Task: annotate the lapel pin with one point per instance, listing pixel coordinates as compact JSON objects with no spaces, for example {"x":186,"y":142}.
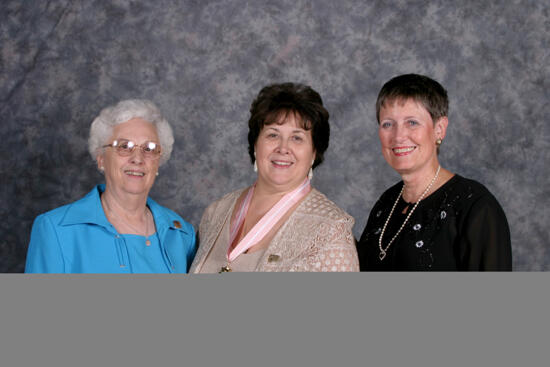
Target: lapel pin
{"x":273,"y":258}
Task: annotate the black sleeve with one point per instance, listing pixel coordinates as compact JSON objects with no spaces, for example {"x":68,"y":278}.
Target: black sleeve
{"x":365,"y":242}
{"x":484,"y":241}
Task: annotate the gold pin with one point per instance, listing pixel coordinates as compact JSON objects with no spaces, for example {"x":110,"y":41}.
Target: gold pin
{"x":273,"y":258}
{"x":177,"y":224}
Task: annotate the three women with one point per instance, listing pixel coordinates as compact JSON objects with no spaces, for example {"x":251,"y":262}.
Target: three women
{"x":431,"y":220}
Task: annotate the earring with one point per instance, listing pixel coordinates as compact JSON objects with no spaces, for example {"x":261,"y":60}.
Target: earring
{"x":310,"y":173}
{"x":438,"y":141}
{"x":157,"y":173}
{"x":101,"y":169}
{"x":255,"y":164}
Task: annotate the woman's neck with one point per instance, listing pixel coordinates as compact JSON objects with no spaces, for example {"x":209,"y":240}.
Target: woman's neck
{"x":417,"y":183}
{"x":265,"y":198}
{"x":269,"y":194}
{"x":128,"y":205}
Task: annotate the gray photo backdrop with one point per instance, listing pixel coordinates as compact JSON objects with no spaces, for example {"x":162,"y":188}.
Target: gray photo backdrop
{"x":203,"y":62}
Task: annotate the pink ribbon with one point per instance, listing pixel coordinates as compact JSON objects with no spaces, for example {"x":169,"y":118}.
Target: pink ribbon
{"x":267,"y":222}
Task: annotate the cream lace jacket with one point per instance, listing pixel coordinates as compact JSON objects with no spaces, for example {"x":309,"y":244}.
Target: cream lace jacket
{"x":316,"y":237}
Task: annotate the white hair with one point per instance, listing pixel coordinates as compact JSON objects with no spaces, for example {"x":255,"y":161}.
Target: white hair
{"x":102,"y":126}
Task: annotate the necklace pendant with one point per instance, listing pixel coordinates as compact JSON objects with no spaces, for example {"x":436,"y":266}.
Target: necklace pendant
{"x":225,"y":269}
{"x":147,"y":242}
{"x":382,"y":255}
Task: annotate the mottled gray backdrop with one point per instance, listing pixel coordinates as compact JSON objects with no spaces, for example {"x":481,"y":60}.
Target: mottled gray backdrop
{"x":203,"y":62}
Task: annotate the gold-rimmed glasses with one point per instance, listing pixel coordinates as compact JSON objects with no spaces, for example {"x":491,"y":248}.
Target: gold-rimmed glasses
{"x":125,"y":148}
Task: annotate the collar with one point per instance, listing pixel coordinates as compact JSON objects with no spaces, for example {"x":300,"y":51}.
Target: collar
{"x":88,"y":210}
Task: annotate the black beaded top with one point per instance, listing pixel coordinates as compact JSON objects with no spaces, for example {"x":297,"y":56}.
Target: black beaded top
{"x":460,"y":226}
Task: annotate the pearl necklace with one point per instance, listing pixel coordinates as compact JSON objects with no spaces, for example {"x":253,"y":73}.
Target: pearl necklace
{"x":383,"y":252}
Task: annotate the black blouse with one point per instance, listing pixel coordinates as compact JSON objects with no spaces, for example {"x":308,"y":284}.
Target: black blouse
{"x":461,"y":226}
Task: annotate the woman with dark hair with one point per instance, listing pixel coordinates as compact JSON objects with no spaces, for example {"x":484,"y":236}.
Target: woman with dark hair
{"x":117,"y":228}
{"x":280,"y":223}
{"x":433,"y":219}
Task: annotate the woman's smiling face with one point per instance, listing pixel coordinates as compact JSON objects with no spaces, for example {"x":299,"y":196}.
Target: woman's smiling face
{"x":284,"y":154}
{"x":408,"y":134}
{"x":134,"y":174}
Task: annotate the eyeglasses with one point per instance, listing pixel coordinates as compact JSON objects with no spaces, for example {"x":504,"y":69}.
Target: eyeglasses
{"x":125,"y":148}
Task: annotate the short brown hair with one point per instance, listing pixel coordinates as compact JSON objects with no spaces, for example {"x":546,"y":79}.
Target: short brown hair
{"x":419,"y":88}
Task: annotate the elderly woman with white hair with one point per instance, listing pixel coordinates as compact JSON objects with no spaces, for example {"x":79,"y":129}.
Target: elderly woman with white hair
{"x":117,"y":228}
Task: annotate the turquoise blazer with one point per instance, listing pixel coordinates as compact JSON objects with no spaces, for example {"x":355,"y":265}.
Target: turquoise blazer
{"x":78,"y":238}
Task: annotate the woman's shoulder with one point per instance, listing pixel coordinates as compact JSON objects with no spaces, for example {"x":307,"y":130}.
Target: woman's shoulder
{"x":468,"y":184}
{"x":54,"y":216}
{"x":317,"y":203}
{"x":390,"y":194}
{"x":227,"y":200}
{"x":468,"y":190}
{"x":466,"y":197}
{"x":169,"y":217}
{"x":73,"y":211}
{"x":223,"y":205}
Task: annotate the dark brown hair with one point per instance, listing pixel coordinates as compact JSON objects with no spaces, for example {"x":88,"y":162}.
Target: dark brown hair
{"x":419,"y":88}
{"x":276,"y":101}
